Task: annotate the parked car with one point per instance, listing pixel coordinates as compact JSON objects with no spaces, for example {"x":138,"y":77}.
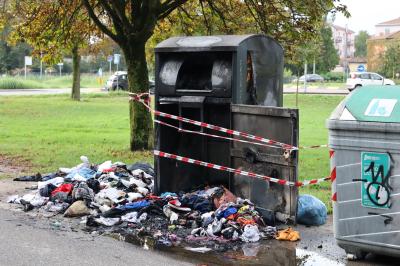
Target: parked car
{"x":311,"y":78}
{"x":122,"y":84}
{"x":117,"y":81}
{"x":358,"y":79}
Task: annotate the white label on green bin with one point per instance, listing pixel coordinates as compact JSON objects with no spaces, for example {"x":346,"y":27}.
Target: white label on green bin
{"x":375,"y":189}
{"x":380,"y":107}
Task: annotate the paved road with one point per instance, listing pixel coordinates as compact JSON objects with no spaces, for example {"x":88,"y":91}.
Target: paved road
{"x":318,"y":91}
{"x":44,"y":91}
{"x":91,"y":90}
{"x":28,"y":242}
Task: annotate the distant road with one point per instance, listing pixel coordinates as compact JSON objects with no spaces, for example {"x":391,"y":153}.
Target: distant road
{"x":331,"y":91}
{"x":97,"y":90}
{"x":44,"y":91}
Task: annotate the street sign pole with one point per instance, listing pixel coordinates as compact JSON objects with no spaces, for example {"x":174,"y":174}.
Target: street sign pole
{"x":41,"y":64}
{"x":60,"y":65}
{"x":116,"y":62}
{"x":305,"y":77}
{"x":110,"y":59}
{"x":28,"y":62}
{"x":117,"y":78}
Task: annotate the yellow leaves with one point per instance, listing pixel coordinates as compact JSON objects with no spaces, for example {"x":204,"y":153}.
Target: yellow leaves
{"x":52,"y":25}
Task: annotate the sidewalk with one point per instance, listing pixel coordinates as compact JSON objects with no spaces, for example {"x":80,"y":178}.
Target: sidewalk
{"x":46,"y":91}
{"x":329,"y":91}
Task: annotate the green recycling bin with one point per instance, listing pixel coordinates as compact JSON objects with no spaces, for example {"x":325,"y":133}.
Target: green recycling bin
{"x":364,"y":135}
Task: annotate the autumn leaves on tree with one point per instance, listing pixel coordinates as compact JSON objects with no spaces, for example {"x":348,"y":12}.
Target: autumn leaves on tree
{"x":55,"y":26}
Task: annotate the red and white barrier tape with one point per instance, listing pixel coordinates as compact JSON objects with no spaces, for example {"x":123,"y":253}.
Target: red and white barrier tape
{"x":262,"y":141}
{"x":209,"y":126}
{"x":211,"y":135}
{"x":238,"y":171}
{"x":333,"y":174}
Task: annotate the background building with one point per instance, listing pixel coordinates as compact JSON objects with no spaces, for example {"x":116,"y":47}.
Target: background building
{"x":387,"y":33}
{"x":387,"y":28}
{"x":343,"y":39}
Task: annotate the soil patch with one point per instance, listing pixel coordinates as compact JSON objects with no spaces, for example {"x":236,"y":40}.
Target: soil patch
{"x":12,"y":166}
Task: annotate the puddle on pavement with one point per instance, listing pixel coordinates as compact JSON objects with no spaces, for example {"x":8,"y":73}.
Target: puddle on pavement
{"x":266,"y":252}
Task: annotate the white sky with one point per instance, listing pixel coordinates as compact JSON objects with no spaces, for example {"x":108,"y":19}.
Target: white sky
{"x":365,"y":14}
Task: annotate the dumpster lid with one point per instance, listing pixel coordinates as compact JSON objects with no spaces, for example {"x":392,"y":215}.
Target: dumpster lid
{"x":193,"y":43}
{"x":373,"y":104}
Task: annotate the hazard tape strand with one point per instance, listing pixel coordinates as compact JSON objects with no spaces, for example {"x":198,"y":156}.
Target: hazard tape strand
{"x":144,"y":99}
{"x":210,"y":135}
{"x":238,"y":171}
{"x":138,"y":97}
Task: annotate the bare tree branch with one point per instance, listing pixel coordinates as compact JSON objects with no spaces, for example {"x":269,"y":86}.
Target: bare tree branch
{"x":98,"y":23}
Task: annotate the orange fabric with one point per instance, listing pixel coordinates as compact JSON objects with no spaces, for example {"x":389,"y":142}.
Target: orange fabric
{"x":244,"y":221}
{"x":288,"y":234}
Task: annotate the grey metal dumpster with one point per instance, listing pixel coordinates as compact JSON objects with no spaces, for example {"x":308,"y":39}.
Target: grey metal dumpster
{"x":235,"y":82}
{"x":364,"y":133}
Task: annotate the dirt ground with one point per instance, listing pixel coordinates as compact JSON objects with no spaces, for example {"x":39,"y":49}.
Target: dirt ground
{"x":13,"y":166}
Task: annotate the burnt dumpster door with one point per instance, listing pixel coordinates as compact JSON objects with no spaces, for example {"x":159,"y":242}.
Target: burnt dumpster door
{"x":280,"y":124}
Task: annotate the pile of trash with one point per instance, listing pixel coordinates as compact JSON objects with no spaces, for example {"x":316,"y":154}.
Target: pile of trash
{"x":120,"y":197}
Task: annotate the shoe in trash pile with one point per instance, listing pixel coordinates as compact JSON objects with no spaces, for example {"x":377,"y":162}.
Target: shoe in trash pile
{"x":116,"y":196}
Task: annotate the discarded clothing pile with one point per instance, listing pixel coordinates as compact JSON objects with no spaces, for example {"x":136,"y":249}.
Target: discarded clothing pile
{"x":87,"y":188}
{"x":120,"y":196}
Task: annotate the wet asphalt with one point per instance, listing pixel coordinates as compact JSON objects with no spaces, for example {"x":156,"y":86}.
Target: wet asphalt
{"x":35,"y":238}
{"x":26,"y":241}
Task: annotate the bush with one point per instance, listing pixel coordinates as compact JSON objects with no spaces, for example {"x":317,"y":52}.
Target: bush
{"x":49,"y":82}
{"x":287,"y":75}
{"x":12,"y":84}
{"x":333,"y":77}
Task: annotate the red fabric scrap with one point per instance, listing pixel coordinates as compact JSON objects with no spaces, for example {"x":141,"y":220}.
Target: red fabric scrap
{"x":67,"y":188}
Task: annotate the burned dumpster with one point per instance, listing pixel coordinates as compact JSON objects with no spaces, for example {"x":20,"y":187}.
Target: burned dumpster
{"x":232,"y":82}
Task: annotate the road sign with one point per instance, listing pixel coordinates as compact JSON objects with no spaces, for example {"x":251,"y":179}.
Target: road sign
{"x":110,"y":58}
{"x":117,"y":59}
{"x":28,"y":60}
{"x":361,"y":68}
{"x":375,"y":188}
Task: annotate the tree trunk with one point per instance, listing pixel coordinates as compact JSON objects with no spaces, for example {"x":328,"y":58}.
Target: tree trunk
{"x":141,"y":123}
{"x":76,"y":76}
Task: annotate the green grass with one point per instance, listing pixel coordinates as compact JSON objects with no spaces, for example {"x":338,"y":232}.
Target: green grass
{"x":53,"y":82}
{"x":314,"y":163}
{"x":53,"y":131}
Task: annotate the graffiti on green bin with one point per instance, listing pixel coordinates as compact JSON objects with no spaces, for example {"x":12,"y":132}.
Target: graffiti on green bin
{"x":375,"y":187}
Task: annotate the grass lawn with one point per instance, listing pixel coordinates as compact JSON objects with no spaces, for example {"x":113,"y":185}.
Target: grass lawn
{"x":53,"y":131}
{"x":314,"y":163}
{"x":49,"y":82}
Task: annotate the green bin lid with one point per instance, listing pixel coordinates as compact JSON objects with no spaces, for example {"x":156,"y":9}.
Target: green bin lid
{"x":375,"y":104}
